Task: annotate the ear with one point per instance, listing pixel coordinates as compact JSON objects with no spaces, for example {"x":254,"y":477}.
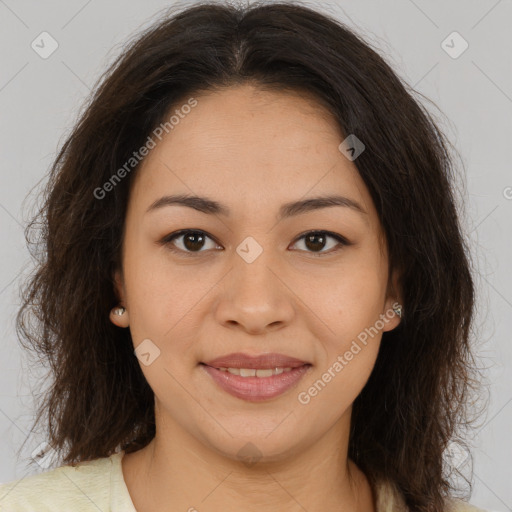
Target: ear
{"x":119,"y":286}
{"x":119,"y":289}
{"x":393,"y":299}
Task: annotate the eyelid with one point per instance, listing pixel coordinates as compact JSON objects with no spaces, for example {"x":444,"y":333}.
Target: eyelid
{"x":342,"y":241}
{"x":168,"y":239}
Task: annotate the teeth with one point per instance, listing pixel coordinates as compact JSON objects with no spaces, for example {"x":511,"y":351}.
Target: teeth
{"x":263,"y":373}
{"x":252,"y":372}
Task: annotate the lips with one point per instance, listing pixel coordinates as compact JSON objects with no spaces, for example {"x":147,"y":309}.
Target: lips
{"x":256,"y":378}
{"x":263,"y":361}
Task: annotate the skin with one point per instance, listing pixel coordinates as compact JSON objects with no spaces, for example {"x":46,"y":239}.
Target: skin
{"x":251,"y":150}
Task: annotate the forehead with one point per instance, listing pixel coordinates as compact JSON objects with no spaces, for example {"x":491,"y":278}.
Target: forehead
{"x":246,"y":145}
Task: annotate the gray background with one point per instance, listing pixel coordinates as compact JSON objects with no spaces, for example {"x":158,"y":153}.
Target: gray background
{"x":40,"y":100}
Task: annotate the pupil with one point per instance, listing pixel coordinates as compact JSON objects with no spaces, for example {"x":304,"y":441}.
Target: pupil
{"x":190,"y":237}
{"x":310,"y":241}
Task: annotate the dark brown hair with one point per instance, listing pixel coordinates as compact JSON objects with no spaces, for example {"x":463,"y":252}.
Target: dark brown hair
{"x":416,"y":400}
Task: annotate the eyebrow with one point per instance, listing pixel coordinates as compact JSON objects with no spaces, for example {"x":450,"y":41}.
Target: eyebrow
{"x":209,"y":206}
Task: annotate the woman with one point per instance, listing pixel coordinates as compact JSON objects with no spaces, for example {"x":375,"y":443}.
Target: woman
{"x":256,"y":292}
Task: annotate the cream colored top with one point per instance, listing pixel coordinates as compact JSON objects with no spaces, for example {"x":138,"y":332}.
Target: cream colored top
{"x":99,"y":486}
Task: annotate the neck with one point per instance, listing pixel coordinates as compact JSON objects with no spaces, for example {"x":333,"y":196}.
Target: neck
{"x":177,"y":469}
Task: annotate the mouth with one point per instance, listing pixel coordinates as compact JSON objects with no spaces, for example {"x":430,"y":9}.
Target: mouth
{"x":256,"y":372}
{"x":256,"y":379}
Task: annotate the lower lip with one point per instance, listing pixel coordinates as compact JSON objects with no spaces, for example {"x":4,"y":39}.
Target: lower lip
{"x":256,"y":389}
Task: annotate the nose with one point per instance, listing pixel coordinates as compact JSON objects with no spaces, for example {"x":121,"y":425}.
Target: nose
{"x":254,"y":296}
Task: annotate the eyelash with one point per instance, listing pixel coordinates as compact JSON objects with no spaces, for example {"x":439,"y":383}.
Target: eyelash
{"x":167,"y":241}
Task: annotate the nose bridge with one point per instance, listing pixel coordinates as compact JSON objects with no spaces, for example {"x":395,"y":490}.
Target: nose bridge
{"x":254,"y":296}
{"x":252,"y":270}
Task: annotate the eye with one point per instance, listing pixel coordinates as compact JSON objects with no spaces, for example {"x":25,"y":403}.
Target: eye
{"x":317,"y":240}
{"x":189,"y":241}
{"x":192,"y":241}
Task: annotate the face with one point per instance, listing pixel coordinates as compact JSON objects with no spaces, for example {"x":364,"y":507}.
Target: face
{"x":250,"y":274}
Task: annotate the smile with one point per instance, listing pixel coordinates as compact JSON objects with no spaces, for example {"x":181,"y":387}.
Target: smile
{"x":256,"y":384}
{"x":258,"y":372}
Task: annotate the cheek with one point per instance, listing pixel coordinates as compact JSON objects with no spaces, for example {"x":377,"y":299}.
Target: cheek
{"x":353,"y":300}
{"x":351,"y":308}
{"x":159,"y":296}
{"x":347,"y":362}
{"x":330,"y":395}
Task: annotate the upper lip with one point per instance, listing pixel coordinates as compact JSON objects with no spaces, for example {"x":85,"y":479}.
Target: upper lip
{"x":263,"y":361}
